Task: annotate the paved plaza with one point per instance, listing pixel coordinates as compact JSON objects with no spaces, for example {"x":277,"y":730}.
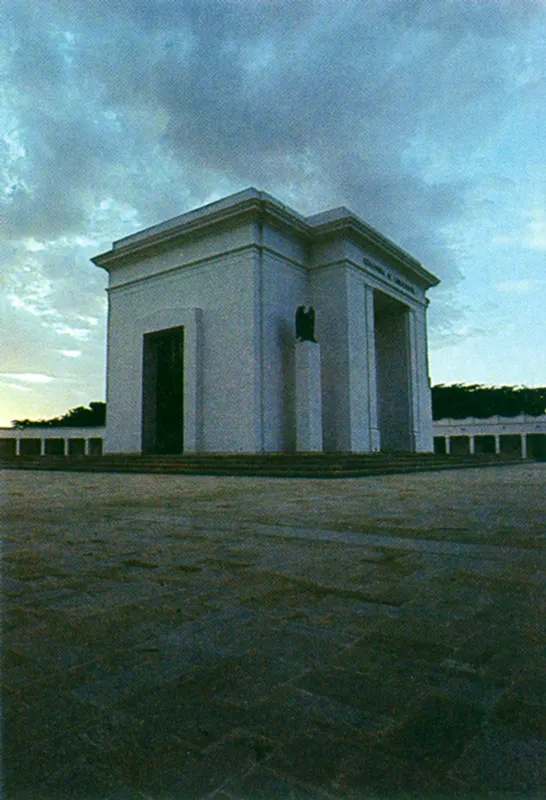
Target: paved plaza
{"x":241,"y":638}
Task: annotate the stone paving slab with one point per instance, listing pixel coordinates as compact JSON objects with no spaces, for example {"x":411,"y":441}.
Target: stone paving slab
{"x":187,"y":637}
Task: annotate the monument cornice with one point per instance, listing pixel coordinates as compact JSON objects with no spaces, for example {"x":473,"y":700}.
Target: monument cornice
{"x":253,"y":206}
{"x":348,"y":224}
{"x":256,"y":207}
{"x":163,"y":239}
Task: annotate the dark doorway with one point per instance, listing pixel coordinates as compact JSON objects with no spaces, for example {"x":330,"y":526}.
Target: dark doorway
{"x":95,"y":446}
{"x":510,"y":444}
{"x":163,"y":392}
{"x":536,"y":445}
{"x":8,"y":447}
{"x":484,"y":444}
{"x":459,"y":445}
{"x":440,"y":445}
{"x":76,"y":447}
{"x":54,"y":447}
{"x":30,"y":447}
{"x":392,"y":349}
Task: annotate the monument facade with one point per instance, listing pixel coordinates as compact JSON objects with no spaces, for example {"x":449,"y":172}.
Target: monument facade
{"x":204,"y":354}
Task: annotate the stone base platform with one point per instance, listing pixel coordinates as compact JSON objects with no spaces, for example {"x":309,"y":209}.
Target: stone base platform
{"x":280,"y":465}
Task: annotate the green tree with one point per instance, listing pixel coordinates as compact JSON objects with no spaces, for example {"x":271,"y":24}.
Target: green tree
{"x":459,"y":401}
{"x":80,"y":417}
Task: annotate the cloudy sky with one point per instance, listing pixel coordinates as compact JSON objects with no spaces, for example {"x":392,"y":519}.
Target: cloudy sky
{"x":425,"y":117}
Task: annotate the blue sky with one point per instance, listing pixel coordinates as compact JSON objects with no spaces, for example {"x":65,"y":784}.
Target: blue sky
{"x":425,"y":118}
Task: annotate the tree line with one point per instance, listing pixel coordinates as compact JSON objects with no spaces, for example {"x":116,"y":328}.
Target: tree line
{"x":456,"y":400}
{"x":459,"y":401}
{"x":80,"y":417}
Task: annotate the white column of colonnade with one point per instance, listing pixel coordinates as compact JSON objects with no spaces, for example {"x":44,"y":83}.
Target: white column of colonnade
{"x":472,"y":444}
{"x":373,"y":416}
{"x":414,"y":376}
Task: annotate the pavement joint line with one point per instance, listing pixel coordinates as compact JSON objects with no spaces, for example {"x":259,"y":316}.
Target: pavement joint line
{"x":322,"y":588}
{"x":403,"y":543}
{"x":468,"y":549}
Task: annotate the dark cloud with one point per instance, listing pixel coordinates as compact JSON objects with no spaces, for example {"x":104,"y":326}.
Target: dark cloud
{"x":248,"y":92}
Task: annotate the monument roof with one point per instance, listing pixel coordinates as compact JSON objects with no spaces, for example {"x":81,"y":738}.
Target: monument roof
{"x":325,"y":223}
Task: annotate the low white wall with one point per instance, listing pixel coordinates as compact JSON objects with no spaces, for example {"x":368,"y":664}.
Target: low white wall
{"x":523,"y":434}
{"x":47,"y":433}
{"x":473,"y":426}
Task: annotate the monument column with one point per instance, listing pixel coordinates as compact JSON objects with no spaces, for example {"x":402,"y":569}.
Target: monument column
{"x":373,"y":417}
{"x":308,"y":397}
{"x":308,"y":384}
{"x":421,"y":400}
{"x":415,"y":377}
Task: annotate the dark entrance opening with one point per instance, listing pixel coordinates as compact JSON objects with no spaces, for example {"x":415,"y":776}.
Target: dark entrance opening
{"x":54,"y":447}
{"x":536,"y":445}
{"x":95,"y":446}
{"x":484,"y":444}
{"x":460,"y":445}
{"x":510,"y":444}
{"x":392,"y":348}
{"x":76,"y":447}
{"x":8,"y":447}
{"x":163,"y":392}
{"x":30,"y":447}
{"x":440,"y":445}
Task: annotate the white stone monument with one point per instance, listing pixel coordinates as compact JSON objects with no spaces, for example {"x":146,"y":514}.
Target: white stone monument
{"x":202,"y":349}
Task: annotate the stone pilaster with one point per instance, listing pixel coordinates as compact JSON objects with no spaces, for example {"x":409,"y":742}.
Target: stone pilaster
{"x":308,"y":398}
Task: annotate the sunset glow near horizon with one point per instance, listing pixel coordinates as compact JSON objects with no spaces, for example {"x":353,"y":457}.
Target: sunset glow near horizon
{"x":426,"y":119}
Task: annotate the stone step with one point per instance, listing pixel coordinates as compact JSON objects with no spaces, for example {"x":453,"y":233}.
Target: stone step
{"x":256,"y":460}
{"x":323,"y":465}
